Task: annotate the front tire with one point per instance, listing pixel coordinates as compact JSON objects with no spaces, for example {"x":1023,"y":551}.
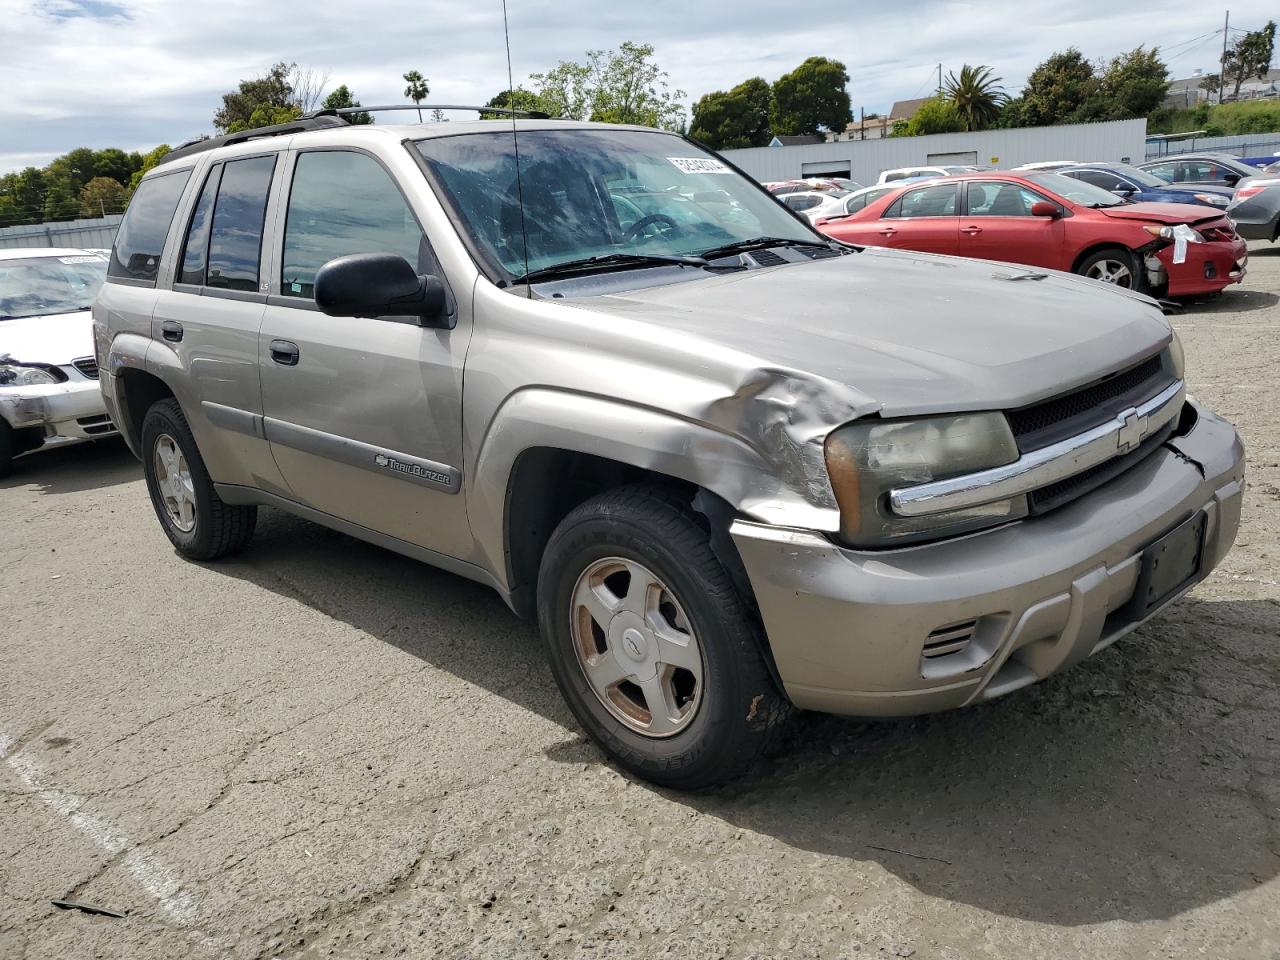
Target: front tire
{"x":1114,"y":265}
{"x":651,"y":645}
{"x":196,"y":520}
{"x":6,"y":448}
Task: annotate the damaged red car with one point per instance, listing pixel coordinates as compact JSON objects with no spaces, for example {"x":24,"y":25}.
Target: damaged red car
{"x":1047,"y":220}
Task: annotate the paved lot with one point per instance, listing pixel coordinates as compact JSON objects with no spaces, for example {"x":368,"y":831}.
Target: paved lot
{"x":322,"y":749}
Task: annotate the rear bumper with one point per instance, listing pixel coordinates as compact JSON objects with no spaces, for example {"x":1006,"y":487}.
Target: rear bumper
{"x":848,"y":629}
{"x":65,"y":412}
{"x":1208,"y":267}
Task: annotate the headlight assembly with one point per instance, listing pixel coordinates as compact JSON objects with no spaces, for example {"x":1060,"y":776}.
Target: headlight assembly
{"x":13,"y":374}
{"x":1177,"y":359}
{"x":1213,"y":199}
{"x":868,"y":459}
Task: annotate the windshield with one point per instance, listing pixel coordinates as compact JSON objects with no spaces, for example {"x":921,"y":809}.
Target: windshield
{"x":594,"y":193}
{"x":40,"y":286}
{"x":1077,"y":191}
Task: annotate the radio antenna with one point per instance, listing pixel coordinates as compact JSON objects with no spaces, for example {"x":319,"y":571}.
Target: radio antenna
{"x":515,"y":144}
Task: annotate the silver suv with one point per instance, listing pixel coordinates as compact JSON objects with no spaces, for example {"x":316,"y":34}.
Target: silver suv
{"x":730,"y":466}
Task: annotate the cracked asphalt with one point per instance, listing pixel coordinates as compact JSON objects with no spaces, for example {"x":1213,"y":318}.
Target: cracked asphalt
{"x":320,"y":749}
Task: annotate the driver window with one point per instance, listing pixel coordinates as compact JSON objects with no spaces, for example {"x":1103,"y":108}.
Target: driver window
{"x":342,"y":203}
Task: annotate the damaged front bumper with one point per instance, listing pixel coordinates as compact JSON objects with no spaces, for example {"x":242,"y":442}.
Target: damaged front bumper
{"x":948,"y":624}
{"x":67,"y":412}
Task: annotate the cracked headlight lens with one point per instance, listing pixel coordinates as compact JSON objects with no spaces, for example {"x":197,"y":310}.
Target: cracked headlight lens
{"x":868,"y":459}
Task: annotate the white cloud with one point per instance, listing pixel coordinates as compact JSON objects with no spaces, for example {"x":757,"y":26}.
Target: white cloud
{"x":133,"y":73}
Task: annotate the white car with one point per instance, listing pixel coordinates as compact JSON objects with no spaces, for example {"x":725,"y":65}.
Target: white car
{"x":48,"y":375}
{"x":908,"y":173}
{"x":1046,"y":166}
{"x":815,"y":204}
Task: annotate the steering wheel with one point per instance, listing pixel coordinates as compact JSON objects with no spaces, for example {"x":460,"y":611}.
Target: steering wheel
{"x":635,"y":229}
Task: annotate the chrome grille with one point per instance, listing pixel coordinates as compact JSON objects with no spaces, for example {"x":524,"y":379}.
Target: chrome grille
{"x":1042,"y":424}
{"x":88,"y":366}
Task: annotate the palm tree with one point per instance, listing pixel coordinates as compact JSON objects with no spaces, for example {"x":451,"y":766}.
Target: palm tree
{"x":417,"y":89}
{"x":977,"y":96}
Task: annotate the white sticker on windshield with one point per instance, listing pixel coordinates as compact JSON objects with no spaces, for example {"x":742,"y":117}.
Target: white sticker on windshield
{"x":699,"y":165}
{"x":79,"y":259}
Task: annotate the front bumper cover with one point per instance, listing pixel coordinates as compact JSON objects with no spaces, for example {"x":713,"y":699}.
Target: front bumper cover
{"x":65,"y":412}
{"x":848,"y":628}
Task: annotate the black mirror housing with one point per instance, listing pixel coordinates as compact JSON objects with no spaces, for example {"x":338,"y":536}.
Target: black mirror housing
{"x":380,"y":285}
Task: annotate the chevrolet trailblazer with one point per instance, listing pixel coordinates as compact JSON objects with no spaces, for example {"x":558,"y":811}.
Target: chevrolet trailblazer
{"x":730,"y":466}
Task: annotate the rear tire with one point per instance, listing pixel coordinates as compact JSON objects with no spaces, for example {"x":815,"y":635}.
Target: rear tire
{"x":196,"y":520}
{"x":1114,"y":265}
{"x":679,"y":692}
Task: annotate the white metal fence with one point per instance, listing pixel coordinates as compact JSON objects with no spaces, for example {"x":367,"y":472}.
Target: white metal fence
{"x":1246,"y":145}
{"x":97,"y":233}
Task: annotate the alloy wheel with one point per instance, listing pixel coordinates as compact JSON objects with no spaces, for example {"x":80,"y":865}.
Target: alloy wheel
{"x":173,"y":479}
{"x":1111,"y":271}
{"x":636,"y":647}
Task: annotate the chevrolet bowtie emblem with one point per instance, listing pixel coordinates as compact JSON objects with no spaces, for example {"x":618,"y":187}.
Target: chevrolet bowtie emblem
{"x":1132,"y":429}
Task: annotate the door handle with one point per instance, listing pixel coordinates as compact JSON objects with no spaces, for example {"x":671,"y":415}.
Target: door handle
{"x":171,"y":330}
{"x":284,"y":353}
{"x":971,"y":231}
{"x":888,"y":232}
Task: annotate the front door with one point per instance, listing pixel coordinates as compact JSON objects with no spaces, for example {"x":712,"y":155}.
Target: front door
{"x":998,"y":225}
{"x":921,"y":219}
{"x":364,"y":416}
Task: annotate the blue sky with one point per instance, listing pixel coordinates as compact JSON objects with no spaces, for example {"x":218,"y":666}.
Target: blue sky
{"x":134,"y":73}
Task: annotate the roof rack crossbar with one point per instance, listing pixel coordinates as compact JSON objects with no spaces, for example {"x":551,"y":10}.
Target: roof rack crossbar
{"x":505,"y":111}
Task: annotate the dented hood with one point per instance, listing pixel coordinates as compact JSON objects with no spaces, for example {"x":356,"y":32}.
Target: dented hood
{"x":912,"y":332}
{"x":53,"y":339}
{"x":1162,"y":212}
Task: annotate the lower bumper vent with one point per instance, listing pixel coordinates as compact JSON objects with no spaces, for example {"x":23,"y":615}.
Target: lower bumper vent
{"x":948,"y":640}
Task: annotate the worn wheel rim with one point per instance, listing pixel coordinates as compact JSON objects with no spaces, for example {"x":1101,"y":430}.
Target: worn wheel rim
{"x":636,"y":647}
{"x":1111,"y":271}
{"x":173,"y":479}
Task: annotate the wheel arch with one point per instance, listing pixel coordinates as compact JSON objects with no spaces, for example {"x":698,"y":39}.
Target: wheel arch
{"x":1090,"y":250}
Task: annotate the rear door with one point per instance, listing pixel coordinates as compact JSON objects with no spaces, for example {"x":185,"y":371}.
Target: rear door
{"x":210,"y":318}
{"x":998,"y":225}
{"x":921,"y":219}
{"x":364,"y":416}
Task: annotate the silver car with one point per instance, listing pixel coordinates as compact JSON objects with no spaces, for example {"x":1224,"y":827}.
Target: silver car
{"x":730,"y":466}
{"x":49,"y":392}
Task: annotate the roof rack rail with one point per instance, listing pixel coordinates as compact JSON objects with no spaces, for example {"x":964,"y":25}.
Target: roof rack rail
{"x":301,"y":124}
{"x":506,"y":111}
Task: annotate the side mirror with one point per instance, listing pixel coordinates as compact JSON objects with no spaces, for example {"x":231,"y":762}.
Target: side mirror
{"x":1043,"y":208}
{"x":1231,"y":179}
{"x":380,"y":285}
{"x":1124,"y":192}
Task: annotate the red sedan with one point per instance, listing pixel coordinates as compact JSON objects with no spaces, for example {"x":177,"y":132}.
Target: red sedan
{"x":1046,"y":220}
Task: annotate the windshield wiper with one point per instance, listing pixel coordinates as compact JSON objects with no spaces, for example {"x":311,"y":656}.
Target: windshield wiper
{"x":607,"y":262}
{"x":756,"y":243}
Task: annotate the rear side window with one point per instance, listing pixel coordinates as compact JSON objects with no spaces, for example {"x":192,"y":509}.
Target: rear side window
{"x":937,"y":201}
{"x":195,"y":252}
{"x":140,"y":240}
{"x":235,"y":238}
{"x":342,"y":203}
{"x":1165,"y":171}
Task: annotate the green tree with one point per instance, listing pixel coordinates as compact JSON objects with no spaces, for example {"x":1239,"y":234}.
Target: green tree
{"x":517,"y":99}
{"x":266,"y":115}
{"x":737,"y":118}
{"x":936,"y":115}
{"x":811,"y":98}
{"x":22,"y":196}
{"x":416,"y":89}
{"x":1250,"y":56}
{"x":342,"y":99}
{"x":101,"y":196}
{"x":614,"y":86}
{"x":1056,"y":90}
{"x":976,"y":95}
{"x":1133,"y":85}
{"x":149,"y":160}
{"x":272,"y":90}
{"x":60,"y":203}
